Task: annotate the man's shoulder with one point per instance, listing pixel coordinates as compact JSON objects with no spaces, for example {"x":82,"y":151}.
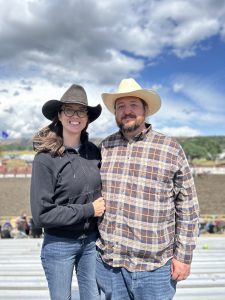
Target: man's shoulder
{"x":160,"y":138}
{"x":111,"y":139}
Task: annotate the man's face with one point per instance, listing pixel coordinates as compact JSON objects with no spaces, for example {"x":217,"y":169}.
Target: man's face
{"x":130,"y":114}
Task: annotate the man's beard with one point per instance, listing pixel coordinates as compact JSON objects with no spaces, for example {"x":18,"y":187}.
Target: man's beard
{"x":127,"y":128}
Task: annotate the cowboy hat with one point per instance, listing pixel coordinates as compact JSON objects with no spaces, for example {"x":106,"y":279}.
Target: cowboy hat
{"x":75,"y":94}
{"x":129,"y":87}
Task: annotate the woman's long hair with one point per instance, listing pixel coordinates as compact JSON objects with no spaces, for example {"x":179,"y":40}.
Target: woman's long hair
{"x":50,"y":138}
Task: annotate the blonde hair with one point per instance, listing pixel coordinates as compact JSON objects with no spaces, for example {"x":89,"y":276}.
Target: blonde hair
{"x":50,"y":139}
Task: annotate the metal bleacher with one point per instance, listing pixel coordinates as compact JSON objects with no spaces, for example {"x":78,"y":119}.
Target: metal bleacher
{"x":22,"y":277}
{"x":21,"y":273}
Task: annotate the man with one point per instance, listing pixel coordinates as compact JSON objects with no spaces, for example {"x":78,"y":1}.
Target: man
{"x":150,"y":226}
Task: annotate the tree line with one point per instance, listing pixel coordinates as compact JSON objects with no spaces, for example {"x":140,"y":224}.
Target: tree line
{"x":202,"y":147}
{"x":207,"y":148}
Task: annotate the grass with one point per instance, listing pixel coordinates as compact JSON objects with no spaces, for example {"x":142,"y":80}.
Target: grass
{"x":13,"y":163}
{"x":207,"y":163}
{"x":17,"y":152}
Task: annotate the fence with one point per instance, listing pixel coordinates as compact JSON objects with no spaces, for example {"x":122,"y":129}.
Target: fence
{"x":15,"y":171}
{"x":207,"y":170}
{"x":26,"y":171}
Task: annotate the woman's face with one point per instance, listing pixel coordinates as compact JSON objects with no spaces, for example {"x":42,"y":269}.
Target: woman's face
{"x":74,"y":118}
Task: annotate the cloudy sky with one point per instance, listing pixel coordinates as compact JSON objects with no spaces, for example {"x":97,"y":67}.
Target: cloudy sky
{"x":175,"y":47}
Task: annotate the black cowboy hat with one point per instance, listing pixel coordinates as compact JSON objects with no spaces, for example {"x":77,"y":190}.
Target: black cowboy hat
{"x":75,"y":94}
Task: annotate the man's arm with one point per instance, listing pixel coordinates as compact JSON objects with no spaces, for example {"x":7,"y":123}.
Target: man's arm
{"x":187,"y":219}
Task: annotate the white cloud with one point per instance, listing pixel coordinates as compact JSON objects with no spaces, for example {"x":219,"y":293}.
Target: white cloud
{"x":67,"y":46}
{"x":183,"y":131}
{"x":47,"y":45}
{"x":90,"y":40}
{"x":21,"y":115}
{"x":177,"y":87}
{"x":189,"y":101}
{"x":203,"y":92}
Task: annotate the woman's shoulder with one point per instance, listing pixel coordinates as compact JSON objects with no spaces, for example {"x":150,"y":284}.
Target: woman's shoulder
{"x":44,"y":157}
{"x":93,"y":149}
{"x":92,"y":145}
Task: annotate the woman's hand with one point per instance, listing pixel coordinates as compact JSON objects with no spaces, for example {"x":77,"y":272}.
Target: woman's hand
{"x":99,"y":207}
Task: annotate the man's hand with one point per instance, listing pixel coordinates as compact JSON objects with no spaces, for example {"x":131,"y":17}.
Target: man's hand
{"x":179,"y":270}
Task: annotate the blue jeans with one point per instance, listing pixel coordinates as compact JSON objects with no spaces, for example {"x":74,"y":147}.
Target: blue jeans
{"x":120,"y":284}
{"x":59,"y":257}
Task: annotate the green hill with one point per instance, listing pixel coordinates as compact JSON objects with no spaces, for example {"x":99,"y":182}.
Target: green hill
{"x":202,"y":147}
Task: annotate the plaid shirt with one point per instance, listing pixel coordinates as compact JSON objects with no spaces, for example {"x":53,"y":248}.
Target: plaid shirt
{"x":152,"y":209}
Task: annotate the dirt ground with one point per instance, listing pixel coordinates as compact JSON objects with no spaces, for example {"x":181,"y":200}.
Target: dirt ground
{"x":14,"y":195}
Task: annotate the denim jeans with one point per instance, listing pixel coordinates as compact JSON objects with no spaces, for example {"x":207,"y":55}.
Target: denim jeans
{"x":59,"y":257}
{"x":120,"y":284}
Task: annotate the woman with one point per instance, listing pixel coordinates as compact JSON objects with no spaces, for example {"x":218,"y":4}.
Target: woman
{"x":66,"y":194}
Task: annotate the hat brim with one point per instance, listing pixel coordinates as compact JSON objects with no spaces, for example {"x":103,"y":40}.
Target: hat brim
{"x":150,"y":97}
{"x":51,"y":108}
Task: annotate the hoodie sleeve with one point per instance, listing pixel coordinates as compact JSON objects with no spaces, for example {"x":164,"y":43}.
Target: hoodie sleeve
{"x":46,"y":213}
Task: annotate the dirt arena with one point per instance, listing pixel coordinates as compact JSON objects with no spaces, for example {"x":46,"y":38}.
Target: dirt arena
{"x":14,"y":195}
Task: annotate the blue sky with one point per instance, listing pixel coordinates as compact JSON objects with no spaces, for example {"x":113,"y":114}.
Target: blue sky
{"x":175,"y":47}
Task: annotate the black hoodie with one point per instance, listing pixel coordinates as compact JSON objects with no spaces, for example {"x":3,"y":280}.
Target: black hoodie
{"x":63,"y":189}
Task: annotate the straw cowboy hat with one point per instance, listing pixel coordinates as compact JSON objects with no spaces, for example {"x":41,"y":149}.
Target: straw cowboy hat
{"x":75,"y":94}
{"x":129,"y":87}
